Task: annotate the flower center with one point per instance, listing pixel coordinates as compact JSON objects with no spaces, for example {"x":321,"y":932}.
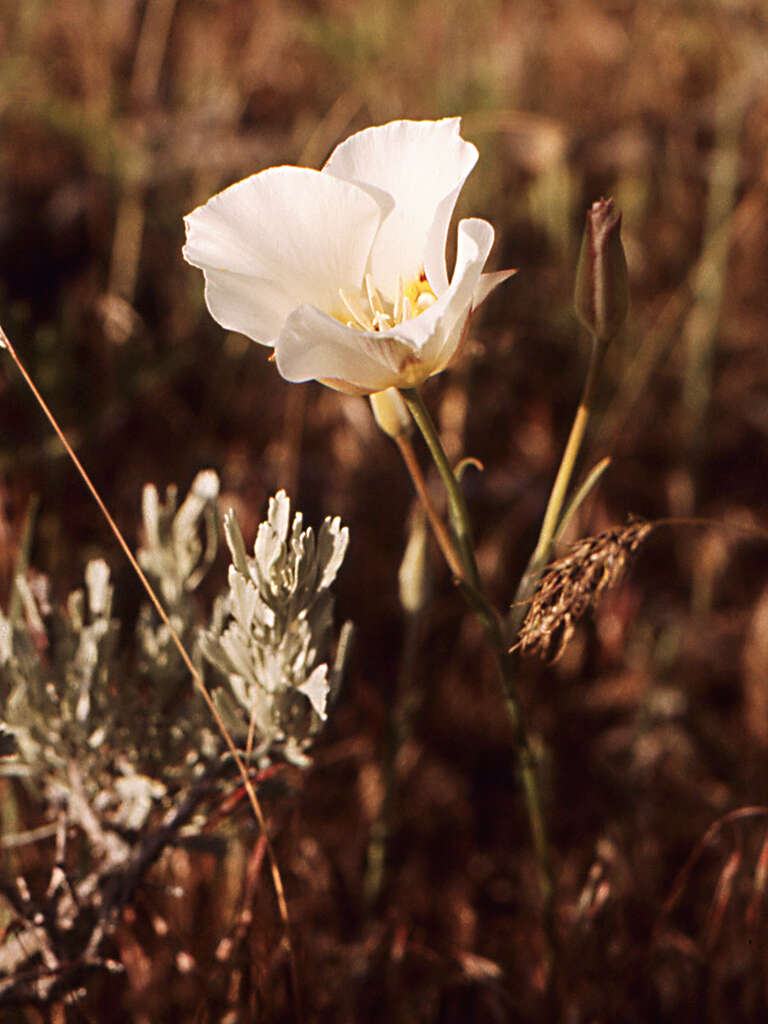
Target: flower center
{"x":370,"y":312}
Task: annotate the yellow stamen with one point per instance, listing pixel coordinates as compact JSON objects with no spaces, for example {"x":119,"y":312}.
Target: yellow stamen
{"x":358,"y":316}
{"x":397,"y":312}
{"x":374,"y":299}
{"x":410,"y":300}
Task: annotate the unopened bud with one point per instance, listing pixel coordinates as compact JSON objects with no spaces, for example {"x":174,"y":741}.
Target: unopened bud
{"x":413,"y":574}
{"x":601,"y":294}
{"x":391,"y":412}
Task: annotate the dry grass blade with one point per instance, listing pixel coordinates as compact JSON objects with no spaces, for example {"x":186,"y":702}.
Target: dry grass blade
{"x":761,"y":877}
{"x":708,"y":840}
{"x":574,"y":584}
{"x":721,"y":899}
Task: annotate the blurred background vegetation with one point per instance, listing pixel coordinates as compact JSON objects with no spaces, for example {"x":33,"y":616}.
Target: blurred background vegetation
{"x":117,"y":117}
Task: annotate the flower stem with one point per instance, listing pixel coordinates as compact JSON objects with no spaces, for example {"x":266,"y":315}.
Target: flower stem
{"x":438,"y":527}
{"x":552,"y":516}
{"x":456,"y":504}
{"x":488,"y":618}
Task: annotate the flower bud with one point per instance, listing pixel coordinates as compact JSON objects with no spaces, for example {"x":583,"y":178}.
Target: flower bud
{"x":601,"y":294}
{"x":391,"y":413}
{"x":413,"y":574}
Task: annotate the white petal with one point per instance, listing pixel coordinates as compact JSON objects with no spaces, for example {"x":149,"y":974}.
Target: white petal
{"x":487,"y":283}
{"x":315,"y":346}
{"x":250,"y":305}
{"x":279,"y":238}
{"x":422,"y":165}
{"x":437,"y":332}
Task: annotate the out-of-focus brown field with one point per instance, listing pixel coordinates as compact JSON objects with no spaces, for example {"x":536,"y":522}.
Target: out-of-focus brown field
{"x":116,"y":119}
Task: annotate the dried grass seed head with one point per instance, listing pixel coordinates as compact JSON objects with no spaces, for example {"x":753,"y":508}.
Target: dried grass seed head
{"x":574,"y":584}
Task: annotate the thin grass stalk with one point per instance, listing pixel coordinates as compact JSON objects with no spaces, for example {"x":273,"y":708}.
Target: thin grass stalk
{"x":130,"y":218}
{"x":701,"y":325}
{"x":22,"y":558}
{"x":651,"y":348}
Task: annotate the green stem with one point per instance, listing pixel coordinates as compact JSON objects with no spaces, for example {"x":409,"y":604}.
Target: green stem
{"x":552,"y":516}
{"x":488,"y":618}
{"x":456,"y":504}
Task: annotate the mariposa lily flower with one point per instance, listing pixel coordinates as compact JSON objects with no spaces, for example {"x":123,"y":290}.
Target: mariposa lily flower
{"x":343,"y":270}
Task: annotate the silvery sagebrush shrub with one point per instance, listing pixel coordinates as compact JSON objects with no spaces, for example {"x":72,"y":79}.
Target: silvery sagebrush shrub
{"x":175,"y":560}
{"x":269,"y":631}
{"x":179,"y":545}
{"x":117,"y":747}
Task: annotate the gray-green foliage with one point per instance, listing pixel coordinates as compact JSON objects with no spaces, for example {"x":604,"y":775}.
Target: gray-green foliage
{"x":271,"y":631}
{"x":179,"y":545}
{"x":175,"y":560}
{"x":116,"y":743}
{"x":99,"y":732}
{"x":69,"y":698}
{"x":72,"y":736}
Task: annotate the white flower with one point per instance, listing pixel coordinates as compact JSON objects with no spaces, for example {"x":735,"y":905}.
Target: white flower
{"x":343,"y":270}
